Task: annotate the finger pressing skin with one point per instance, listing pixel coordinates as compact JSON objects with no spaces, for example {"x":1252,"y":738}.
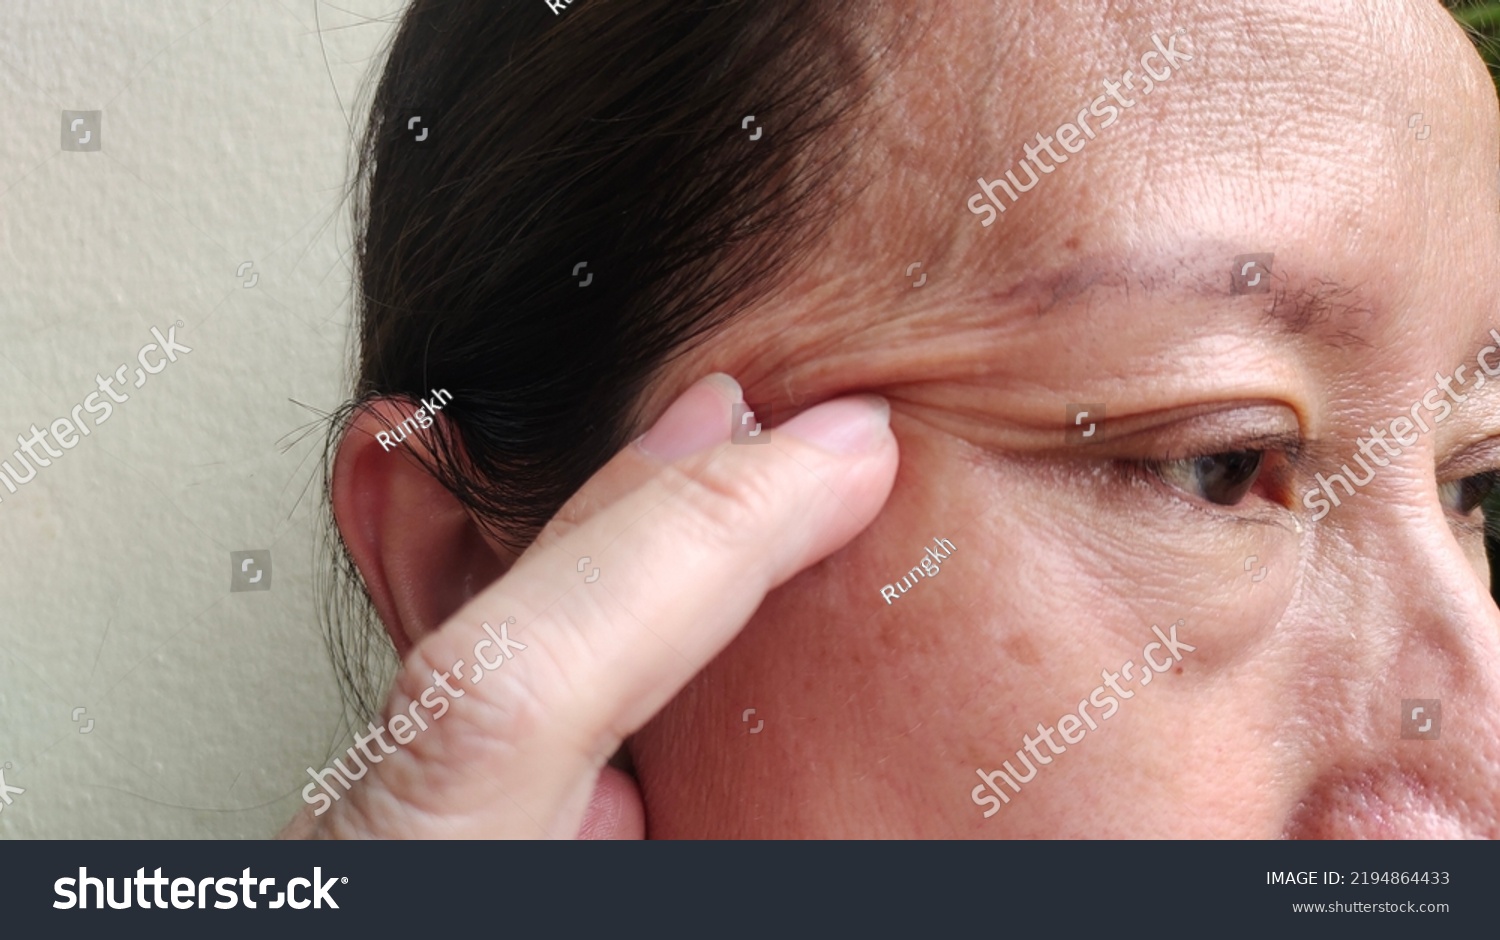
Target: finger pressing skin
{"x":696,"y":421}
{"x":683,"y":558}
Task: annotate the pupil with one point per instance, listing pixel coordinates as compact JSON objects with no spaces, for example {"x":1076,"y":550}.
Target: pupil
{"x":1225,"y":478}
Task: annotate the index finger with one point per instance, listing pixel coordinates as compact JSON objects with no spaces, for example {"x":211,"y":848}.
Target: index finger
{"x":683,"y":559}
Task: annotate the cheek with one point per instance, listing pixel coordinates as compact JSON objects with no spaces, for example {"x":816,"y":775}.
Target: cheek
{"x":882,"y":691}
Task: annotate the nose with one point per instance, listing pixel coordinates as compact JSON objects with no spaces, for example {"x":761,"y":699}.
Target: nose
{"x":1404,"y":661}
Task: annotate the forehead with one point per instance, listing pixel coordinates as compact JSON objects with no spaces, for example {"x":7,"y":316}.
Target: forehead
{"x":1283,"y":117}
{"x":1282,"y":128}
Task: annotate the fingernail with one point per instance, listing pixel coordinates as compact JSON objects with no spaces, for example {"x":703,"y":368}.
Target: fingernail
{"x":851,"y":425}
{"x":697,"y":420}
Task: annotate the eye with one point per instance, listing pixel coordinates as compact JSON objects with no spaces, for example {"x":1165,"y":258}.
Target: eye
{"x":1222,"y":479}
{"x":1466,"y":495}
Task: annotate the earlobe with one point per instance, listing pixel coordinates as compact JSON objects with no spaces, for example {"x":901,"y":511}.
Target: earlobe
{"x":418,"y":550}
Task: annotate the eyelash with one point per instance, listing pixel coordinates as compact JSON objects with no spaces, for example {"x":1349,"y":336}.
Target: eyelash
{"x":1272,"y":454}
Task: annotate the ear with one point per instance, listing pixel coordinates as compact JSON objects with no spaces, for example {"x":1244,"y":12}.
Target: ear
{"x":420,"y":553}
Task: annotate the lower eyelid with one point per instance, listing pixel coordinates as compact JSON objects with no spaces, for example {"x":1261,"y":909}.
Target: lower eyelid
{"x":1468,"y":525}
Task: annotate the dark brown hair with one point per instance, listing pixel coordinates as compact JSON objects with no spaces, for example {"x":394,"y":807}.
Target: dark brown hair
{"x":611,"y":134}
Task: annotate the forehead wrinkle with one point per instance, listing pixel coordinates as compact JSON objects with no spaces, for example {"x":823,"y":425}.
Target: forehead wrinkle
{"x":957,"y":113}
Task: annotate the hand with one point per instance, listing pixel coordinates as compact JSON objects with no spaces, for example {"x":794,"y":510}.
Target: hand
{"x":690,"y":533}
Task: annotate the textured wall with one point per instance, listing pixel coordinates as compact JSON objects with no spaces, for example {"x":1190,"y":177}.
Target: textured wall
{"x":224,"y":139}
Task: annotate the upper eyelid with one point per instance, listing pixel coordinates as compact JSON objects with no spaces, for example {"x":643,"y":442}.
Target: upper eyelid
{"x":1473,"y":459}
{"x":1205,"y":430}
{"x":1290,"y":444}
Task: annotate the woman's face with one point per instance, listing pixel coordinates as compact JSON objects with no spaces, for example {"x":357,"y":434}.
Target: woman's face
{"x":1300,"y":634}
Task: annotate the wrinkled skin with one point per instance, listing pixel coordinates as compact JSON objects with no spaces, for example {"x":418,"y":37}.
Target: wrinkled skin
{"x":1110,"y":282}
{"x":1302,"y":631}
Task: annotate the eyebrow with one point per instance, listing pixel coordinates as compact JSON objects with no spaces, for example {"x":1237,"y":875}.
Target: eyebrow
{"x":1299,"y":304}
{"x":1335,"y":312}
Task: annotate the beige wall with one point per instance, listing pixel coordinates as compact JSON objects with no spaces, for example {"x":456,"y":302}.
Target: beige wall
{"x":225,"y":139}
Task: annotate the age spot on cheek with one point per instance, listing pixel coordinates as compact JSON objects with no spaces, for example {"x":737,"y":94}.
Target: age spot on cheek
{"x":1021,"y":649}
